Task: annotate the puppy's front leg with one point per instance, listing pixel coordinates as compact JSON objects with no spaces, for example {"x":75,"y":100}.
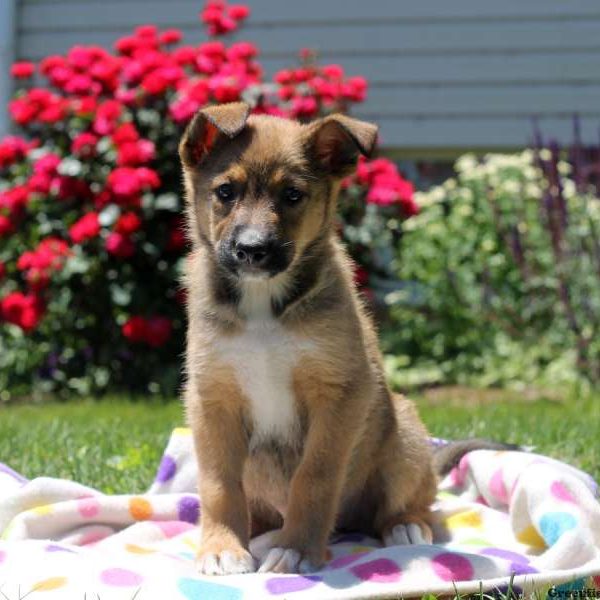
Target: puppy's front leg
{"x":221,"y":450}
{"x":315,"y":490}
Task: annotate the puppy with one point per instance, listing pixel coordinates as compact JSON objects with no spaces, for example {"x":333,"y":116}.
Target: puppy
{"x":294,"y":426}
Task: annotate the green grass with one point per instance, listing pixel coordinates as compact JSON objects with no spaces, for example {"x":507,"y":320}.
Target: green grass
{"x":115,"y":445}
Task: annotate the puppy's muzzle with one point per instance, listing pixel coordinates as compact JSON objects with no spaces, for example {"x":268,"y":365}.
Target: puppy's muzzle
{"x":252,"y":248}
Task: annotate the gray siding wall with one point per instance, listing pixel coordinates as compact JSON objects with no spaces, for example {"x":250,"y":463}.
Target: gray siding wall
{"x":444,"y":74}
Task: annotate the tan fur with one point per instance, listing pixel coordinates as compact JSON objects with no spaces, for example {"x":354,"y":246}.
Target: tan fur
{"x":357,"y":456}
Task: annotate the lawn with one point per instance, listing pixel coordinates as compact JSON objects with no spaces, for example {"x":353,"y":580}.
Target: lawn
{"x":115,"y":445}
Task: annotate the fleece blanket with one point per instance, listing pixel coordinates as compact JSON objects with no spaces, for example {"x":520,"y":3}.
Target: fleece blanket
{"x":500,"y":516}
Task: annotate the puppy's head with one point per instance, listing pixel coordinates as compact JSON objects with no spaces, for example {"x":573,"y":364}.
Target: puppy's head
{"x":262,"y":189}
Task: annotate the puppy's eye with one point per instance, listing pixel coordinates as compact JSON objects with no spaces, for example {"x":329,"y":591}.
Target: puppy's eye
{"x":225,"y":192}
{"x":293,"y":195}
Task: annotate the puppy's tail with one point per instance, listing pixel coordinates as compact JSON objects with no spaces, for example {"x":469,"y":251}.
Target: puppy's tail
{"x":446,"y":456}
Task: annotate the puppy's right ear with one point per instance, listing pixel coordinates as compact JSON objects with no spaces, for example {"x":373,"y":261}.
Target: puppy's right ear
{"x":206,"y":126}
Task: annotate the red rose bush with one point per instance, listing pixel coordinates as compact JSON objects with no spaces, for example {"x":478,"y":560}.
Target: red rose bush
{"x":91,"y":238}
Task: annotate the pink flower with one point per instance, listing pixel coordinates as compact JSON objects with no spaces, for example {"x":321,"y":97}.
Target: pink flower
{"x":120,"y":245}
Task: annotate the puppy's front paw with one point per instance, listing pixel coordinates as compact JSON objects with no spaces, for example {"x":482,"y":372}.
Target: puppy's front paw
{"x":408,"y":534}
{"x":275,"y":556}
{"x":286,"y":560}
{"x":234,"y":561}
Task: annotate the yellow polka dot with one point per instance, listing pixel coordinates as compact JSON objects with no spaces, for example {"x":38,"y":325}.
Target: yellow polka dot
{"x":444,"y":495}
{"x":476,"y":542}
{"x":182,"y":431}
{"x":140,"y":509}
{"x":138,"y":549}
{"x":46,"y":509}
{"x":359,"y":549}
{"x":47,"y":585}
{"x":467,"y":518}
{"x":190,"y":543}
{"x":531,"y":537}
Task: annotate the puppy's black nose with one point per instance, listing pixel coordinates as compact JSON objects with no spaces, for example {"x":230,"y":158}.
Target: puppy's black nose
{"x":252,"y":247}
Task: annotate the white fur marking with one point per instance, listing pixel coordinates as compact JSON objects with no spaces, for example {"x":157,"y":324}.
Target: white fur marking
{"x":263,"y":357}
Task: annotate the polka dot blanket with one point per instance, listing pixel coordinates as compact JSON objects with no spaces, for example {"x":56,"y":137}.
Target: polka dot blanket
{"x":499,"y":516}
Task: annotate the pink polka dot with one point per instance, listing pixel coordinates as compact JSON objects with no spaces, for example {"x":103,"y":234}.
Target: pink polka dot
{"x":458,"y":475}
{"x":452,"y":567}
{"x":92,"y":537}
{"x":88,"y":508}
{"x":558,"y":490}
{"x":120,"y":578}
{"x":172,"y":528}
{"x":381,"y":570}
{"x":2,"y":556}
{"x":497,"y":486}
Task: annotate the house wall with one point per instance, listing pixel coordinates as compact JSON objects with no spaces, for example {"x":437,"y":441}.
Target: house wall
{"x":445,"y":75}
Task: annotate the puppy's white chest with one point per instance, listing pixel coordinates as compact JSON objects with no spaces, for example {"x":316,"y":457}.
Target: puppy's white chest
{"x":263,"y":358}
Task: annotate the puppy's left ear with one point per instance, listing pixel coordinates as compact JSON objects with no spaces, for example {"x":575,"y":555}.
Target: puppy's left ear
{"x":336,"y":141}
{"x":207,"y":126}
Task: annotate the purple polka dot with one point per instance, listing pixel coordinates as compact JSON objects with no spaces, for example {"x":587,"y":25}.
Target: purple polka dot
{"x":56,"y":548}
{"x":120,"y":578}
{"x":506,"y":554}
{"x":381,"y":570}
{"x":296,"y":583}
{"x":522,"y":568}
{"x":344,"y":561}
{"x":189,"y":509}
{"x":5,"y":469}
{"x":452,"y":567}
{"x":167,"y":469}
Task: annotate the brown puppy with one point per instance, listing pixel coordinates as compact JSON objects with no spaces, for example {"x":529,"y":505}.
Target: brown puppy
{"x":293,"y":423}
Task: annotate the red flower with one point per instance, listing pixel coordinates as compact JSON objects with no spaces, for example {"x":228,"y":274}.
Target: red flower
{"x":22,"y":70}
{"x":361,"y":275}
{"x":170,"y":36}
{"x":125,"y":133}
{"x":120,"y":245}
{"x":86,"y":228}
{"x":154,"y":331}
{"x":14,"y":149}
{"x":128,"y":223}
{"x":6,"y":226}
{"x":177,"y":239}
{"x":84,"y":145}
{"x":23,"y":310}
{"x":124,"y":181}
{"x":2,"y":270}
{"x":158,"y":331}
{"x":134,"y":329}
{"x":135,"y":153}
{"x":239,"y":12}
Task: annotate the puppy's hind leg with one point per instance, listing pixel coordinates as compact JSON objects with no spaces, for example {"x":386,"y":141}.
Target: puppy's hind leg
{"x":407,"y":488}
